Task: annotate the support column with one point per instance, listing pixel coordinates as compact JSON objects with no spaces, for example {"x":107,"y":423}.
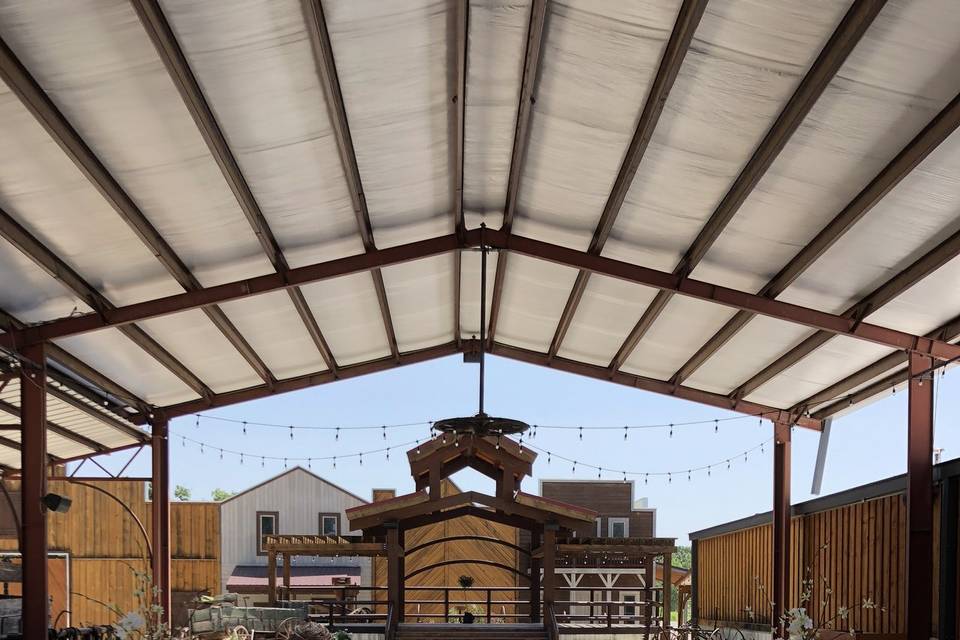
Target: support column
{"x":160,"y":504}
{"x":534,"y":578}
{"x":920,"y":498}
{"x":286,"y":577}
{"x":667,"y":587}
{"x":649,"y":578}
{"x":272,"y":577}
{"x":402,"y":542}
{"x":781,"y":521}
{"x":393,"y":571}
{"x":33,"y":486}
{"x":549,"y":565}
{"x":949,"y":524}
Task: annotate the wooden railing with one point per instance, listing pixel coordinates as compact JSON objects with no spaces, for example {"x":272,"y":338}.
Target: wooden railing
{"x":550,"y":621}
{"x":603,"y":610}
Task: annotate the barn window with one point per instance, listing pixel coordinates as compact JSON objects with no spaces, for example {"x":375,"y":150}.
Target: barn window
{"x":329,"y":524}
{"x":618,"y":527}
{"x":268,"y":523}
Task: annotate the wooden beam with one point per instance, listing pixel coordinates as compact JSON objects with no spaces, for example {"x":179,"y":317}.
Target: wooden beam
{"x":165,"y":42}
{"x":922,"y":267}
{"x":19,"y":237}
{"x":938,"y":130}
{"x":676,"y":50}
{"x":846,"y":36}
{"x":35,"y":99}
{"x":327,"y":71}
{"x":521,"y":138}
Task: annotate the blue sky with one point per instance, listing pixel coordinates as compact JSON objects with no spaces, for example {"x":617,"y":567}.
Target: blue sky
{"x":867,"y":445}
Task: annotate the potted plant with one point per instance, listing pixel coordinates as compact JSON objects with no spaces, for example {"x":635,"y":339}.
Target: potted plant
{"x":465,"y":581}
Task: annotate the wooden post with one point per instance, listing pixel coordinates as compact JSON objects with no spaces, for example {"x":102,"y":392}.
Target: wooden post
{"x":549,"y":565}
{"x":286,"y":577}
{"x":33,"y":486}
{"x":781,"y":522}
{"x":949,"y":525}
{"x":919,"y":585}
{"x":667,"y":588}
{"x":649,"y":578}
{"x":489,"y":604}
{"x":160,"y":505}
{"x":393,"y":571}
{"x":534,"y":577}
{"x":271,"y":577}
{"x":402,"y":542}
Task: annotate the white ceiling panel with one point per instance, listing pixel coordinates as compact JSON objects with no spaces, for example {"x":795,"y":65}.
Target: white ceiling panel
{"x":889,"y":88}
{"x":95,"y":61}
{"x":746,"y":59}
{"x":833,"y":361}
{"x":470,"y":290}
{"x":495,"y":56}
{"x":395,"y":62}
{"x":598,"y":61}
{"x":274,"y":329}
{"x":914,"y":217}
{"x":421,"y":301}
{"x":254,"y":62}
{"x":349,"y":316}
{"x":912,"y":311}
{"x":683,"y":326}
{"x":608,"y":311}
{"x":534,"y":293}
{"x":114,"y":355}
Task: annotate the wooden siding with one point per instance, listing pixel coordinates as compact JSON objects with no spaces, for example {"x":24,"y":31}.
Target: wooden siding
{"x":609,"y":499}
{"x":105,"y":546}
{"x":860,"y":549}
{"x":483,"y":575}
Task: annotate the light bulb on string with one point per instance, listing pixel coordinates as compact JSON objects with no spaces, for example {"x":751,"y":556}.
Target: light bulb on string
{"x":716,"y":426}
{"x":418,"y":447}
{"x":669,"y":478}
{"x":728,"y":464}
{"x":498,"y":441}
{"x":241,"y":458}
{"x":598,"y":474}
{"x":337,"y":436}
{"x":574,"y":466}
{"x":671,"y":429}
{"x":263,"y":461}
{"x":384,"y":432}
{"x":646,"y":478}
{"x":533,"y":434}
{"x":284,"y":463}
{"x":201,"y":447}
{"x":581,"y":433}
{"x":624,"y":432}
{"x":624,"y":477}
{"x":388,"y":453}
{"x":309,"y":465}
{"x":221,"y":454}
{"x":291,"y":432}
{"x":548,"y":457}
{"x":244,"y":427}
{"x":334,"y":462}
{"x":688,"y":475}
{"x":183,"y":442}
{"x":361,"y":459}
{"x":708,"y":472}
{"x":744,"y":456}
{"x":197,"y":425}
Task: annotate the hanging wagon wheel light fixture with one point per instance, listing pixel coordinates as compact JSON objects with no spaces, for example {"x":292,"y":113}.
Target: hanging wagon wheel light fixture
{"x":481,"y":424}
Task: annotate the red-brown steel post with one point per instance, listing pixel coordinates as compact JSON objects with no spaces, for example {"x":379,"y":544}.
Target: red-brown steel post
{"x":781,"y":522}
{"x":160,"y":503}
{"x":920,"y":498}
{"x":33,"y":486}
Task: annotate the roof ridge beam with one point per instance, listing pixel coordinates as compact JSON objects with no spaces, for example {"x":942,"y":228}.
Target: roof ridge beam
{"x":833,"y":323}
{"x":888,"y":291}
{"x":168,"y":48}
{"x":938,"y":130}
{"x":521,"y":138}
{"x":31,"y":247}
{"x":322,"y":47}
{"x":674,"y":53}
{"x":35,"y":99}
{"x":843,"y":40}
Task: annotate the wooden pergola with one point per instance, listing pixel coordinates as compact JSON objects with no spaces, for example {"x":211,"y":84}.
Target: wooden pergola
{"x":500,"y":459}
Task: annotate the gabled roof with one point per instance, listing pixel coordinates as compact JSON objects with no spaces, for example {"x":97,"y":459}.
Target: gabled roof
{"x":693,"y":204}
{"x":286,"y":473}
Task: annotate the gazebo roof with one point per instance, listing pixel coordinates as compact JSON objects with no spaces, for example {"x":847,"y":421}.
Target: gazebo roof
{"x":749,"y":205}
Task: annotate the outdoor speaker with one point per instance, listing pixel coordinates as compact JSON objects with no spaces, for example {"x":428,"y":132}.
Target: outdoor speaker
{"x":56,"y":503}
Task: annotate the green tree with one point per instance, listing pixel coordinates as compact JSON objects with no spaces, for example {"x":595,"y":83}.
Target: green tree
{"x":219,"y":495}
{"x":181,"y":493}
{"x":683,"y":558}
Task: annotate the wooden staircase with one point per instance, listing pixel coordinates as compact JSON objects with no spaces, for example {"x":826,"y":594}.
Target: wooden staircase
{"x":471,"y":632}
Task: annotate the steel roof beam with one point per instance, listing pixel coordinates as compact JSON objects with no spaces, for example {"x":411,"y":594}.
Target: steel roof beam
{"x":939,"y":129}
{"x":80,"y":369}
{"x":54,"y":391}
{"x":20,"y":238}
{"x":523,"y":355}
{"x":39,"y":104}
{"x":327,"y":71}
{"x":83,"y":441}
{"x":888,"y":291}
{"x":846,"y":36}
{"x":521,"y":138}
{"x":673,"y":55}
{"x":167,"y":47}
{"x":948,"y":332}
{"x":459,"y":101}
{"x":636,"y":274}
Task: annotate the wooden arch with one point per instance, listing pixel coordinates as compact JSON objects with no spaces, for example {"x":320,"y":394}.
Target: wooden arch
{"x":445,"y":563}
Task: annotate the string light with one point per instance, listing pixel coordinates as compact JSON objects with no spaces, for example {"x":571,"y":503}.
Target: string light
{"x":262,"y":462}
{"x":361,"y":459}
{"x":284,"y":463}
{"x":625,"y":429}
{"x":418,"y":447}
{"x":388,"y":453}
{"x":384,"y":432}
{"x":334,"y":462}
{"x":197,"y":425}
{"x":309,"y":466}
{"x":221,"y":454}
{"x":241,"y":458}
{"x":291,"y":432}
{"x":337,"y":436}
{"x":244,"y":427}
{"x":716,"y":426}
{"x":581,"y":433}
{"x":671,"y":429}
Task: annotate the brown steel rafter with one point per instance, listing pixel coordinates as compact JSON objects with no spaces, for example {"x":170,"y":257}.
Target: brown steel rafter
{"x":521,"y":138}
{"x":687,"y":21}
{"x":843,"y":40}
{"x":327,"y":72}
{"x":165,"y":42}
